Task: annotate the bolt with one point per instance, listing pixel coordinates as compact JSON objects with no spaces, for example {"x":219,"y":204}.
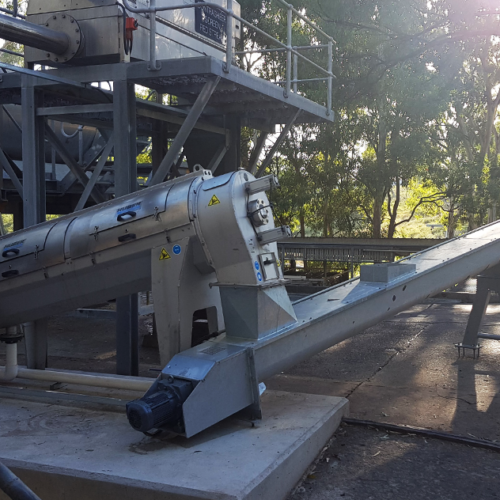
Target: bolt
{"x":73,"y":53}
{"x":77,"y":30}
{"x":46,"y":24}
{"x":56,"y":59}
{"x":54,"y":17}
{"x":65,"y":58}
{"x":48,"y":55}
{"x":72,"y":20}
{"x":78,"y":42}
{"x":64,"y":16}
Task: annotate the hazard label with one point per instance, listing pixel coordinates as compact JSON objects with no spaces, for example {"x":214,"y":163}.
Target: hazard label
{"x":214,"y":201}
{"x":164,"y":255}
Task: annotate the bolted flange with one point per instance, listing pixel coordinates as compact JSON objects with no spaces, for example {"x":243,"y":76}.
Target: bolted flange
{"x":64,"y":23}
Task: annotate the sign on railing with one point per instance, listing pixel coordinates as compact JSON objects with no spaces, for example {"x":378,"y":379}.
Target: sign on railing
{"x":211,"y":23}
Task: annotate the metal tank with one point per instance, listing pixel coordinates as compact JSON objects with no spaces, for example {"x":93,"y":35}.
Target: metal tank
{"x":98,"y":31}
{"x":190,"y":240}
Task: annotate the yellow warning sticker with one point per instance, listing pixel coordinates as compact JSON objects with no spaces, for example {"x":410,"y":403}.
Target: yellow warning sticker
{"x":278,"y":263}
{"x":164,"y":255}
{"x":214,"y":201}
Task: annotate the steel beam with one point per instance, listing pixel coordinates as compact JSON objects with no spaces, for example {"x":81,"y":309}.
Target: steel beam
{"x":95,"y":175}
{"x":218,"y":157}
{"x":75,"y":110}
{"x":257,"y":151}
{"x":185,"y":130}
{"x":34,"y":202}
{"x":10,"y":172}
{"x":33,"y":157}
{"x":125,"y":138}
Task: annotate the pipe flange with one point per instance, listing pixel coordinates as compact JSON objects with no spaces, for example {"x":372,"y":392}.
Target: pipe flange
{"x":64,"y":23}
{"x":11,"y":339}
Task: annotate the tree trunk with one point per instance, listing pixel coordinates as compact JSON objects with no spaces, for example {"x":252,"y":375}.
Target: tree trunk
{"x":302,"y":224}
{"x":377,"y":217}
{"x":394,"y":210}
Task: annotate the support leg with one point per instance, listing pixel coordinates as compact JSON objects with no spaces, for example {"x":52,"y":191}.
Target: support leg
{"x":34,"y":203}
{"x":477,"y":314}
{"x":35,"y":337}
{"x":125,"y":137}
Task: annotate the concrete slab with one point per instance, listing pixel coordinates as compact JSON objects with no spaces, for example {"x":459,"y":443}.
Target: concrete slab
{"x":72,"y":453}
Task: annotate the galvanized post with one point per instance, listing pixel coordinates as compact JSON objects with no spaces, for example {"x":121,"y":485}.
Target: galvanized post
{"x":153,"y":64}
{"x":229,"y":37}
{"x":33,"y":156}
{"x":289,"y":52}
{"x":34,"y":201}
{"x":295,"y":73}
{"x":330,"y":79}
{"x":125,"y":135}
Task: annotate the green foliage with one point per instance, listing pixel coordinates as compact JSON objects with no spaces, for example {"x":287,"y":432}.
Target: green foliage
{"x":416,"y":139}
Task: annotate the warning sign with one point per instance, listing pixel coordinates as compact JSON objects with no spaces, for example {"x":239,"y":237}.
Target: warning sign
{"x":214,"y":201}
{"x":164,"y":255}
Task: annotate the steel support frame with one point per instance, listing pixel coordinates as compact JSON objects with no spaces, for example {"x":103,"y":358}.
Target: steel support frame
{"x":10,"y":172}
{"x":95,"y":175}
{"x":125,"y":140}
{"x":34,"y":202}
{"x":486,"y":283}
{"x":76,"y":169}
{"x":89,"y":158}
{"x":185,"y":130}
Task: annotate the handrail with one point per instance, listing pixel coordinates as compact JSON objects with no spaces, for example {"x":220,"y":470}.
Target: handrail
{"x":291,"y":63}
{"x":14,"y":11}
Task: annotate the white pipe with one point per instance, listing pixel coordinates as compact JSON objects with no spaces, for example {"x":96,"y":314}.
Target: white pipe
{"x":90,"y":379}
{"x":11,"y":369}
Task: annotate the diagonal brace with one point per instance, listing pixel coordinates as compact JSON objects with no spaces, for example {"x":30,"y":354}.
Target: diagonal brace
{"x":257,"y":150}
{"x":95,"y":174}
{"x":277,"y":144}
{"x":185,"y":130}
{"x":10,"y":172}
{"x":71,"y":163}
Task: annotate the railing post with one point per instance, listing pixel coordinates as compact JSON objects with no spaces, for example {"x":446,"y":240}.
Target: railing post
{"x":153,"y":65}
{"x":330,"y":79}
{"x":295,"y":73}
{"x":289,"y":52}
{"x":229,"y":37}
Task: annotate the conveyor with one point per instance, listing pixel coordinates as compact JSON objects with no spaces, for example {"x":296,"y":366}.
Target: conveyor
{"x":205,"y":243}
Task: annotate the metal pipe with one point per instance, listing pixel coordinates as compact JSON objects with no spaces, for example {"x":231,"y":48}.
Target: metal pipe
{"x":153,"y":65}
{"x":229,"y":37}
{"x":289,"y":21}
{"x":33,"y":35}
{"x":13,"y":487}
{"x":295,"y":73}
{"x":68,"y":377}
{"x":11,"y":368}
{"x":330,"y":79}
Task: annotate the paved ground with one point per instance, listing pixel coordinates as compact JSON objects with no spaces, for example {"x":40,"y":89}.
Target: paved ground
{"x":406,"y":371}
{"x":403,"y":371}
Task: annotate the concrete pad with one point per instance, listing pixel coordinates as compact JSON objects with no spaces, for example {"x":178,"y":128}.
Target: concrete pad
{"x":71,"y":453}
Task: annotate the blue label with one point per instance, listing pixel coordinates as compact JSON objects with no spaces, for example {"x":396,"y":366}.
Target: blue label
{"x":177,"y":249}
{"x":257,"y":266}
{"x":129,"y":208}
{"x":12,"y":246}
{"x":259,"y":276}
